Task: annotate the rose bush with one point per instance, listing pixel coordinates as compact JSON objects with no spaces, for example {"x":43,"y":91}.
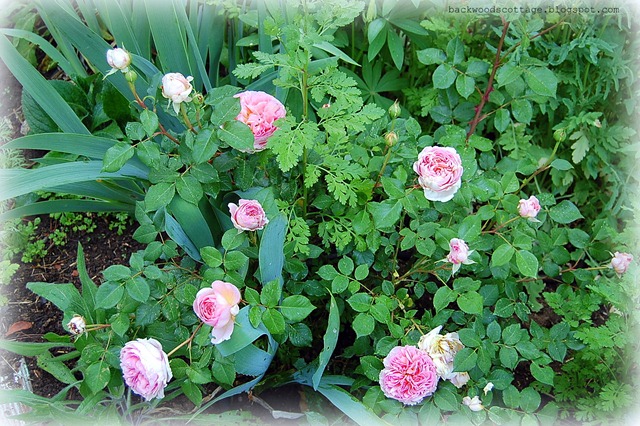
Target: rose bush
{"x":359,"y":213}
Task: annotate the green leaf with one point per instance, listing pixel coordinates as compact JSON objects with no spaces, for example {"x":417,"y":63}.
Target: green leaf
{"x":508,"y":357}
{"x":465,"y":85}
{"x":527,"y":263}
{"x":560,"y":164}
{"x":148,"y":313}
{"x":455,"y":51}
{"x":149,"y":121}
{"x":159,"y":195}
{"x":541,"y":80}
{"x":446,"y":400}
{"x":211,"y":256}
{"x":362,"y":272}
{"x":189,"y":189}
{"x":529,"y":399}
{"x":363,"y":324}
{"x":271,"y":252}
{"x":199,"y":375}
{"x":237,"y":135}
{"x":145,"y":234}
{"x":501,"y":119}
{"x":65,"y":296}
{"x":469,"y":337}
{"x":192,"y":391}
{"x":396,"y":48}
{"x":138,"y":289}
{"x":431,"y":56}
{"x":502,"y":255}
{"x":465,"y":359}
{"x":271,"y":293}
{"x":522,"y":110}
{"x":273,"y":320}
{"x":470,"y":302}
{"x":109,"y":294}
{"x":31,"y":348}
{"x":443,"y":297}
{"x":96,"y":376}
{"x":56,"y":368}
{"x":204,"y":147}
{"x":508,"y":73}
{"x":345,"y":265}
{"x":360,"y":302}
{"x":329,"y":340}
{"x":296,"y":308}
{"x":224,"y":372}
{"x":544,"y":374}
{"x":565,"y":212}
{"x":386,"y":213}
{"x":444,"y":76}
{"x":117,"y":156}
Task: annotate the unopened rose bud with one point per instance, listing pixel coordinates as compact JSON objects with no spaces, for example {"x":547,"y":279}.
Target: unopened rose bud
{"x":560,"y":135}
{"x":118,"y":58}
{"x":131,"y":76}
{"x":395,"y":110}
{"x":77,"y":325}
{"x":597,"y":123}
{"x":371,"y":13}
{"x":391,"y":138}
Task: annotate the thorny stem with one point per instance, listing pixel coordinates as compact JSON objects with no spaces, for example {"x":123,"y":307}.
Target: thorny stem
{"x":142,"y":105}
{"x":496,"y":63}
{"x":189,"y":340}
{"x":183,"y":112}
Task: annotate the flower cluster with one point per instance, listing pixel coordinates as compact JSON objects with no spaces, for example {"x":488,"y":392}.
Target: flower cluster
{"x":411,"y":373}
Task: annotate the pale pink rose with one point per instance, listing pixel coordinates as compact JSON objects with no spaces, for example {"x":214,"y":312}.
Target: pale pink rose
{"x":248,"y":215}
{"x":439,"y":172}
{"x":77,"y":325}
{"x":118,"y":59}
{"x":259,"y":110}
{"x":620,"y":262}
{"x":443,"y":349}
{"x":218,"y":306}
{"x":474,"y":404}
{"x":145,"y":368}
{"x":176,"y":88}
{"x":529,"y":208}
{"x":409,"y":375}
{"x":459,"y":254}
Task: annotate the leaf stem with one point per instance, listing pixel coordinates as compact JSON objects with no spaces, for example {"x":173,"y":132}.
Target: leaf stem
{"x":189,"y":340}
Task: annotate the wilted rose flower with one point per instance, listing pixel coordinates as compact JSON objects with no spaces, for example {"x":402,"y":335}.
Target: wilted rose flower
{"x":439,"y":172}
{"x":620,"y":262}
{"x":248,"y":215}
{"x":118,"y":59}
{"x":218,"y":306}
{"x":529,"y":208}
{"x":459,"y":254}
{"x":176,"y":88}
{"x":77,"y":325}
{"x":409,"y":375}
{"x":259,"y":110}
{"x":145,"y":368}
{"x":474,"y":404}
{"x":488,"y":388}
{"x":442,"y":349}
{"x":459,"y":378}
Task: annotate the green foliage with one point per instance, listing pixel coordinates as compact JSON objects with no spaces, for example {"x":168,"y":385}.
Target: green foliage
{"x":354,"y":259}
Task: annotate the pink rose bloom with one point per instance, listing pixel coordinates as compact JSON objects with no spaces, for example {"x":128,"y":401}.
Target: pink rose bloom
{"x":439,"y":172}
{"x":259,"y":110}
{"x":620,"y":262}
{"x":409,"y":375}
{"x":248,"y":215}
{"x":118,"y":59}
{"x":145,"y":368}
{"x":218,"y":306}
{"x":176,"y":88}
{"x":529,"y":208}
{"x":459,"y":254}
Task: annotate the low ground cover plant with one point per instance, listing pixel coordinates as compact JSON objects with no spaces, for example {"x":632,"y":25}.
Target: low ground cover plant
{"x":423,"y":216}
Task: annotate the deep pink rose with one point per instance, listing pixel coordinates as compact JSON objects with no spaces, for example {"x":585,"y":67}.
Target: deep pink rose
{"x":620,"y":262}
{"x":529,"y":208}
{"x":218,"y":306}
{"x":409,"y":375}
{"x":248,"y":215}
{"x":439,"y":172}
{"x":458,"y":254}
{"x":259,"y":110}
{"x":145,"y":368}
{"x":177,"y":88}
